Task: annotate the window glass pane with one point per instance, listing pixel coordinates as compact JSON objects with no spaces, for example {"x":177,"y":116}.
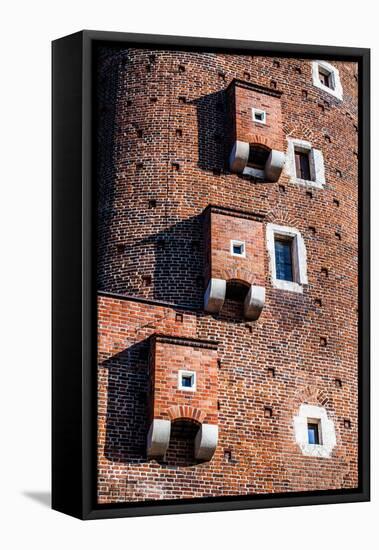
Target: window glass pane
{"x":187,"y":381}
{"x":237,"y":249}
{"x":313,"y":436}
{"x":302,"y":165}
{"x":283,"y":259}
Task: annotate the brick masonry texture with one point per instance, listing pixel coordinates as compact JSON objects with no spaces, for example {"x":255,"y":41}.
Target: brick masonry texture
{"x":163,"y":142}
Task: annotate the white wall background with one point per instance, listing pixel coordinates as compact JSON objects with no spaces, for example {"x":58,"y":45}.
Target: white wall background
{"x":27,"y":29}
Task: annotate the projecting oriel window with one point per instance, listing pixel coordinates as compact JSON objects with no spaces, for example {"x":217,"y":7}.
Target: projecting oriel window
{"x":302,"y":163}
{"x":187,"y":380}
{"x":313,"y":433}
{"x":283,"y":259}
{"x":237,"y":248}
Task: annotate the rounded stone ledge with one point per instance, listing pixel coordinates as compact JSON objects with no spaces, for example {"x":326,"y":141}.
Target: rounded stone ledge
{"x":206,"y":441}
{"x":158,"y":437}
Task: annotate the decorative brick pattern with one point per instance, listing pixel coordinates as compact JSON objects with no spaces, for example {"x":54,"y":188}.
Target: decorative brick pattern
{"x":275,"y":363}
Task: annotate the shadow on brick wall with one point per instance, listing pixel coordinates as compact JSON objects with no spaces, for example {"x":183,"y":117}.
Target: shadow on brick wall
{"x":127,"y":416}
{"x":177,"y":266}
{"x":127,"y":411}
{"x":212,"y":131}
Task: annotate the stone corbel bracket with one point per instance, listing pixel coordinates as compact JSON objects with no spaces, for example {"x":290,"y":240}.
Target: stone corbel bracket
{"x":239,"y":157}
{"x":214,"y":299}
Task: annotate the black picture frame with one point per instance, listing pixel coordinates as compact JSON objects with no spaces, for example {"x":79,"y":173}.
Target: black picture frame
{"x":74,"y":292}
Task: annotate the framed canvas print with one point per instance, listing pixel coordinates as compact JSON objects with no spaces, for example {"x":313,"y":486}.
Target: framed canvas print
{"x":210,"y":274}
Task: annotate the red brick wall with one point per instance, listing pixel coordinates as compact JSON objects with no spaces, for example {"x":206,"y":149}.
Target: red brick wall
{"x":169,"y":402}
{"x":220,"y":229}
{"x":156,"y":146}
{"x":245,"y":98}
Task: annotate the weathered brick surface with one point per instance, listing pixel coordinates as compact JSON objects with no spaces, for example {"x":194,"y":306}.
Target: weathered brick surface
{"x":241,"y":98}
{"x":161,"y":137}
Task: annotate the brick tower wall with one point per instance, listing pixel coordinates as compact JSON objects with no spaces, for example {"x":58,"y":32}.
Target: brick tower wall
{"x":162,"y":159}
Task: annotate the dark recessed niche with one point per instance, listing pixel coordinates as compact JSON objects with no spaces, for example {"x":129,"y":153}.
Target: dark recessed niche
{"x":139,"y":165}
{"x":139,"y":133}
{"x":347,"y":423}
{"x":282,"y":188}
{"x":339,"y":173}
{"x":179,"y":317}
{"x":218,"y":405}
{"x":336,"y":202}
{"x":149,"y":68}
{"x":249,"y":327}
{"x":318,"y":302}
{"x":228,"y":455}
{"x":323,"y":341}
{"x":273,"y":84}
{"x":246,"y":76}
{"x":219,"y":363}
{"x":324,"y":272}
{"x":175,"y":166}
{"x":276,"y":63}
{"x":321,"y":107}
{"x":312,"y":229}
{"x":326,"y":104}
{"x":179,"y":132}
{"x":338,"y":235}
{"x":338,"y":382}
{"x":146,"y":279}
{"x":152,"y":58}
{"x":152,"y":203}
{"x":297,"y":70}
{"x":304,"y":93}
{"x":153,"y":99}
{"x":327,"y":138}
{"x":309,"y":194}
{"x":221,"y":75}
{"x":182,"y":99}
{"x":268,"y":412}
{"x":120,"y":248}
{"x":216,"y":172}
{"x":271,"y":371}
{"x":181,"y":69}
{"x":355,"y":127}
{"x":129,"y":102}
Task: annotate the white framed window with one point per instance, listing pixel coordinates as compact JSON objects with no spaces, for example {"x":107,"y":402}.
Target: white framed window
{"x":238,"y":248}
{"x":314,"y":431}
{"x":259,"y":115}
{"x":326,"y":77}
{"x":187,"y":380}
{"x":305,"y":164}
{"x":288,"y":258}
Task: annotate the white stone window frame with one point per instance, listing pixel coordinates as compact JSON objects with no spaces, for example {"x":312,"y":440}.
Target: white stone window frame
{"x":327,"y":433}
{"x":334,"y":76}
{"x":299,"y":257}
{"x":238,"y":243}
{"x":183,"y":373}
{"x":316,"y":163}
{"x":255,"y":112}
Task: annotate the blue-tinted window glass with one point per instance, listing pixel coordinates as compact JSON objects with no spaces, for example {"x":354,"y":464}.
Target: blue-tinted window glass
{"x":313,"y":436}
{"x":238,"y":249}
{"x":283,"y":259}
{"x":187,"y":381}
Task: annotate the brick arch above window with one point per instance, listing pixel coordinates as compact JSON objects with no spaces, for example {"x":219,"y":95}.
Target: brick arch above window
{"x":186,"y":412}
{"x":240,"y":275}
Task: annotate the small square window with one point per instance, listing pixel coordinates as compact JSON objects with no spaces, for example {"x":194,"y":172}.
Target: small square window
{"x":314,"y":432}
{"x":259,"y":116}
{"x":237,"y":248}
{"x":283,"y":259}
{"x":187,"y":380}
